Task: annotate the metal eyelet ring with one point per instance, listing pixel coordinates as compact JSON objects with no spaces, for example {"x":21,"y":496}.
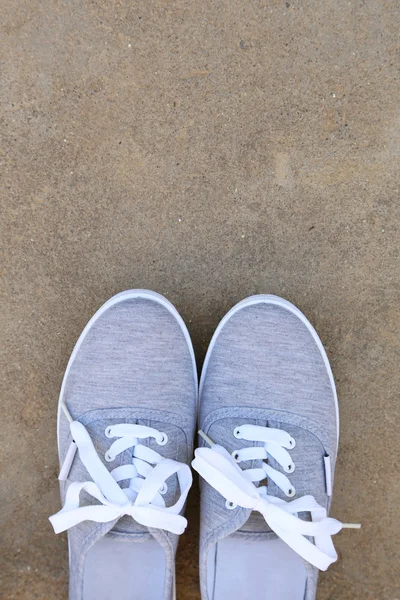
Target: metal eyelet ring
{"x":108,"y":432}
{"x":291,"y":492}
{"x":107,"y":457}
{"x":236,"y":433}
{"x":163,"y":489}
{"x":163,"y":439}
{"x":236,"y":455}
{"x":230,"y":505}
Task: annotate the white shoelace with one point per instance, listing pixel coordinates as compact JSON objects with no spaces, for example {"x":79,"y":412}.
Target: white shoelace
{"x":147,"y":475}
{"x":275,"y":443}
{"x":221,"y":471}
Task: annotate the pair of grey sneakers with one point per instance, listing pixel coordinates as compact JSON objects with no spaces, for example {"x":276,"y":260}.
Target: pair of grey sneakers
{"x":268,"y":414}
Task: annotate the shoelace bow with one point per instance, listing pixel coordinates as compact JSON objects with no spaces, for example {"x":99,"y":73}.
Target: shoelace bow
{"x":222,"y":472}
{"x":142,"y":499}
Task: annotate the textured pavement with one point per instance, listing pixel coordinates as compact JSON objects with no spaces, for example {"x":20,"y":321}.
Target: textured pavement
{"x":207,"y":150}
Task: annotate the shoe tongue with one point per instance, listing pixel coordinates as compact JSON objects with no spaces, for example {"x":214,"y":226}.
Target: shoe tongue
{"x":255,"y":525}
{"x":127,"y":526}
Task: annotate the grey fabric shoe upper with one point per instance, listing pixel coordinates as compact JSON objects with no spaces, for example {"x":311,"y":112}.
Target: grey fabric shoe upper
{"x":266,"y":366}
{"x":134,"y":363}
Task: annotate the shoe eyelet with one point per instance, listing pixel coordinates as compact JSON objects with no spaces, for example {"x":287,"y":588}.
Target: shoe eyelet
{"x":107,"y":432}
{"x":230,"y":505}
{"x":163,"y":489}
{"x":108,"y":458}
{"x":291,"y":492}
{"x":292,"y":443}
{"x":163,"y":439}
{"x":236,"y":433}
{"x":290,"y":468}
{"x":235,"y":455}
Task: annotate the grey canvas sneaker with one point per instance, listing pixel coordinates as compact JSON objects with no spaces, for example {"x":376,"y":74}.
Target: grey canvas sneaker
{"x":270,"y":425}
{"x":126,"y":419}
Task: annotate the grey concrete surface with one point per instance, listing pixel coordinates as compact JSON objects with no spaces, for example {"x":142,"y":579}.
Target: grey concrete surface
{"x":208,"y":150}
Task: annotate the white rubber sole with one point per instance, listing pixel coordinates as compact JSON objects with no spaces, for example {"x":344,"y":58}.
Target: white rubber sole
{"x":274,"y":300}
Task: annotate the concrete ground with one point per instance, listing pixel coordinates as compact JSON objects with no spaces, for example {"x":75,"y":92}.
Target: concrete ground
{"x":208,"y":150}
